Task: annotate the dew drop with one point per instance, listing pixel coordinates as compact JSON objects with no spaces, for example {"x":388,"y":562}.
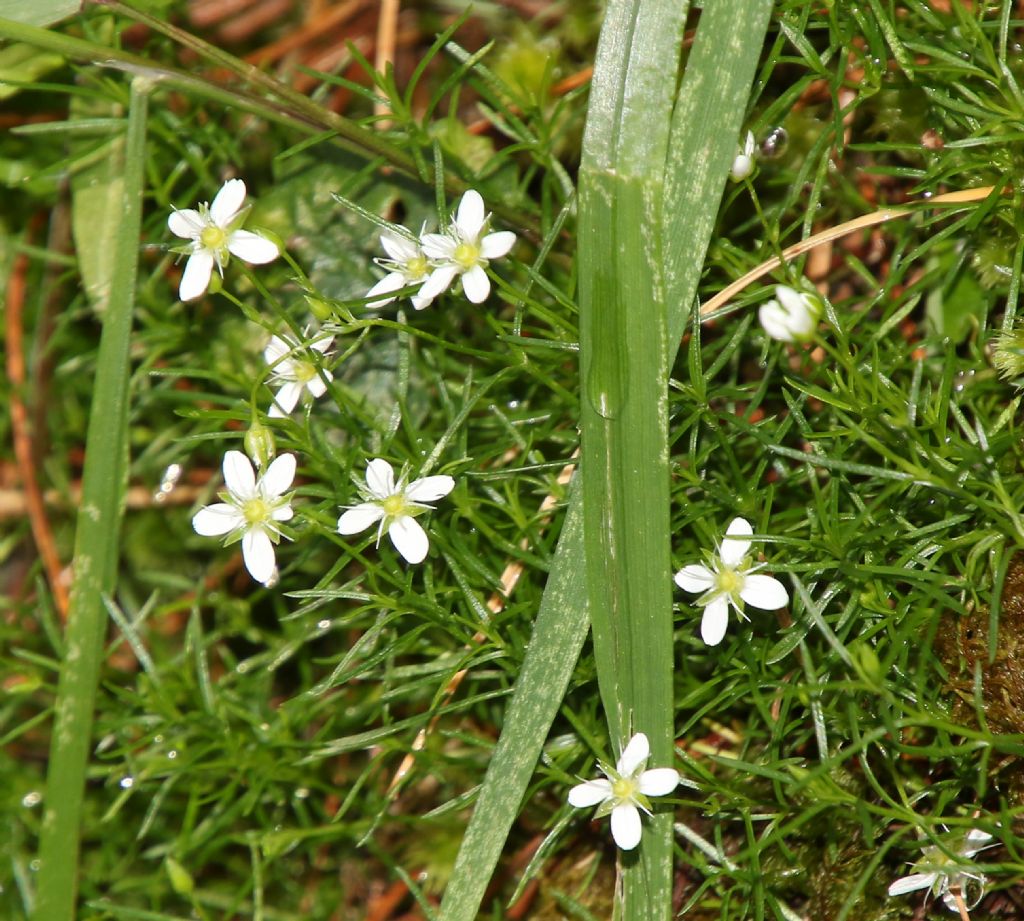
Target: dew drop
{"x":172,"y":754}
{"x":774,"y":145}
{"x":302,"y":793}
{"x":126,"y":783}
{"x":31,"y":799}
{"x":323,"y":624}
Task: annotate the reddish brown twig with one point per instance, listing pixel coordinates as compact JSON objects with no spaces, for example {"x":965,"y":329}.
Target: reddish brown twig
{"x":21,"y":430}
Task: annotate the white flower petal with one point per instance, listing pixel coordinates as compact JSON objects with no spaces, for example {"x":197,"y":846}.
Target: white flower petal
{"x":749,"y":142}
{"x":322,"y":344}
{"x":419,"y":301}
{"x":912,"y":883}
{"x":476,"y":284}
{"x":398,"y":248}
{"x":659,"y":781}
{"x":633,"y":755}
{"x":239,"y":476}
{"x":316,"y":385}
{"x":228,"y":202}
{"x":694,"y":578}
{"x":359,"y":518}
{"x":742,"y":167}
{"x":735,"y":546}
{"x":974,"y":841}
{"x":590,"y":793}
{"x":282,"y":513}
{"x":470,"y":219}
{"x":279,"y":476}
{"x":390,"y":282}
{"x":438,"y":246}
{"x":285,"y":399}
{"x":429,"y":488}
{"x":409,"y":538}
{"x":495,"y":245}
{"x":765,"y":592}
{"x":217,"y":519}
{"x":791,"y":300}
{"x":196,"y":277}
{"x":439,"y":281}
{"x":185,"y":223}
{"x":276,"y":349}
{"x":714,"y":621}
{"x":258,"y":554}
{"x":251,"y":247}
{"x":626,"y":826}
{"x":775,"y":322}
{"x":380,"y":478}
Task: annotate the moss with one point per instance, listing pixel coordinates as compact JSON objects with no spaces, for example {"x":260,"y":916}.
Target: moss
{"x":962,"y":645}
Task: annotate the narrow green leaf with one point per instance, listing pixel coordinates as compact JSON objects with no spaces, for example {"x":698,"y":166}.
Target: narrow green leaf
{"x":96,"y":549}
{"x":21,"y":63}
{"x":558,"y":636}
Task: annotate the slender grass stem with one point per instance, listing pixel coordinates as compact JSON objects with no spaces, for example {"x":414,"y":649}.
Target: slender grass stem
{"x":96,"y":549}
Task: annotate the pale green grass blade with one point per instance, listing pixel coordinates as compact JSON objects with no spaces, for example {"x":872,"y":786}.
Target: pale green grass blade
{"x":706,"y":128}
{"x":39,"y":12}
{"x":96,"y":549}
{"x":558,"y":636}
{"x":693,"y":199}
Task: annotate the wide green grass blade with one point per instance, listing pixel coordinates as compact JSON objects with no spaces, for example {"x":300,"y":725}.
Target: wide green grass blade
{"x":693,"y":192}
{"x":624,"y":402}
{"x":96,"y":549}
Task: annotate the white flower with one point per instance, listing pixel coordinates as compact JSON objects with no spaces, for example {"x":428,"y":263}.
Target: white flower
{"x":294,"y":373}
{"x":793,"y":317}
{"x":406,"y":265}
{"x":395,"y":507}
{"x":743,"y":165}
{"x":213,"y":232}
{"x":623,"y":791}
{"x":251,"y":511}
{"x":730,"y":579}
{"x":465,"y":250}
{"x":945,"y":875}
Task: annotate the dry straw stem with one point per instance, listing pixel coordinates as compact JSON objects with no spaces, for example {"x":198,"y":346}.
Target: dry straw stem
{"x":834,"y":233}
{"x":21,"y":430}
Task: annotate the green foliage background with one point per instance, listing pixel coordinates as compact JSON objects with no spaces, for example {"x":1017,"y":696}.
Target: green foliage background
{"x":246,"y":738}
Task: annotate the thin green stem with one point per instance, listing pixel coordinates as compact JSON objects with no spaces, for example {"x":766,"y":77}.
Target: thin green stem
{"x":96,"y":549}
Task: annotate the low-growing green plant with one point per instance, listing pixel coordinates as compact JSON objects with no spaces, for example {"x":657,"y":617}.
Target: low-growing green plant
{"x":380,"y":435}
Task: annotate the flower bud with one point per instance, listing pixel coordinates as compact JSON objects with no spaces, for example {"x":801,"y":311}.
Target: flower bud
{"x":743,"y":165}
{"x":259,"y":444}
{"x":1008,"y":355}
{"x":793,"y":317}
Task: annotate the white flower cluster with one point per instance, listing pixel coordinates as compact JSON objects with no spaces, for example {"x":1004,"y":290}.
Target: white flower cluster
{"x":435,"y":260}
{"x":254,"y":507}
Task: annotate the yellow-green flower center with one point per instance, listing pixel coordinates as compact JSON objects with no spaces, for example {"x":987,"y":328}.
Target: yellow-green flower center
{"x":304,"y":371}
{"x":213,"y":237}
{"x":624,"y":788}
{"x":728,"y":582}
{"x":416,"y":268}
{"x":394,"y":505}
{"x":466,"y":255}
{"x":255,"y":511}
